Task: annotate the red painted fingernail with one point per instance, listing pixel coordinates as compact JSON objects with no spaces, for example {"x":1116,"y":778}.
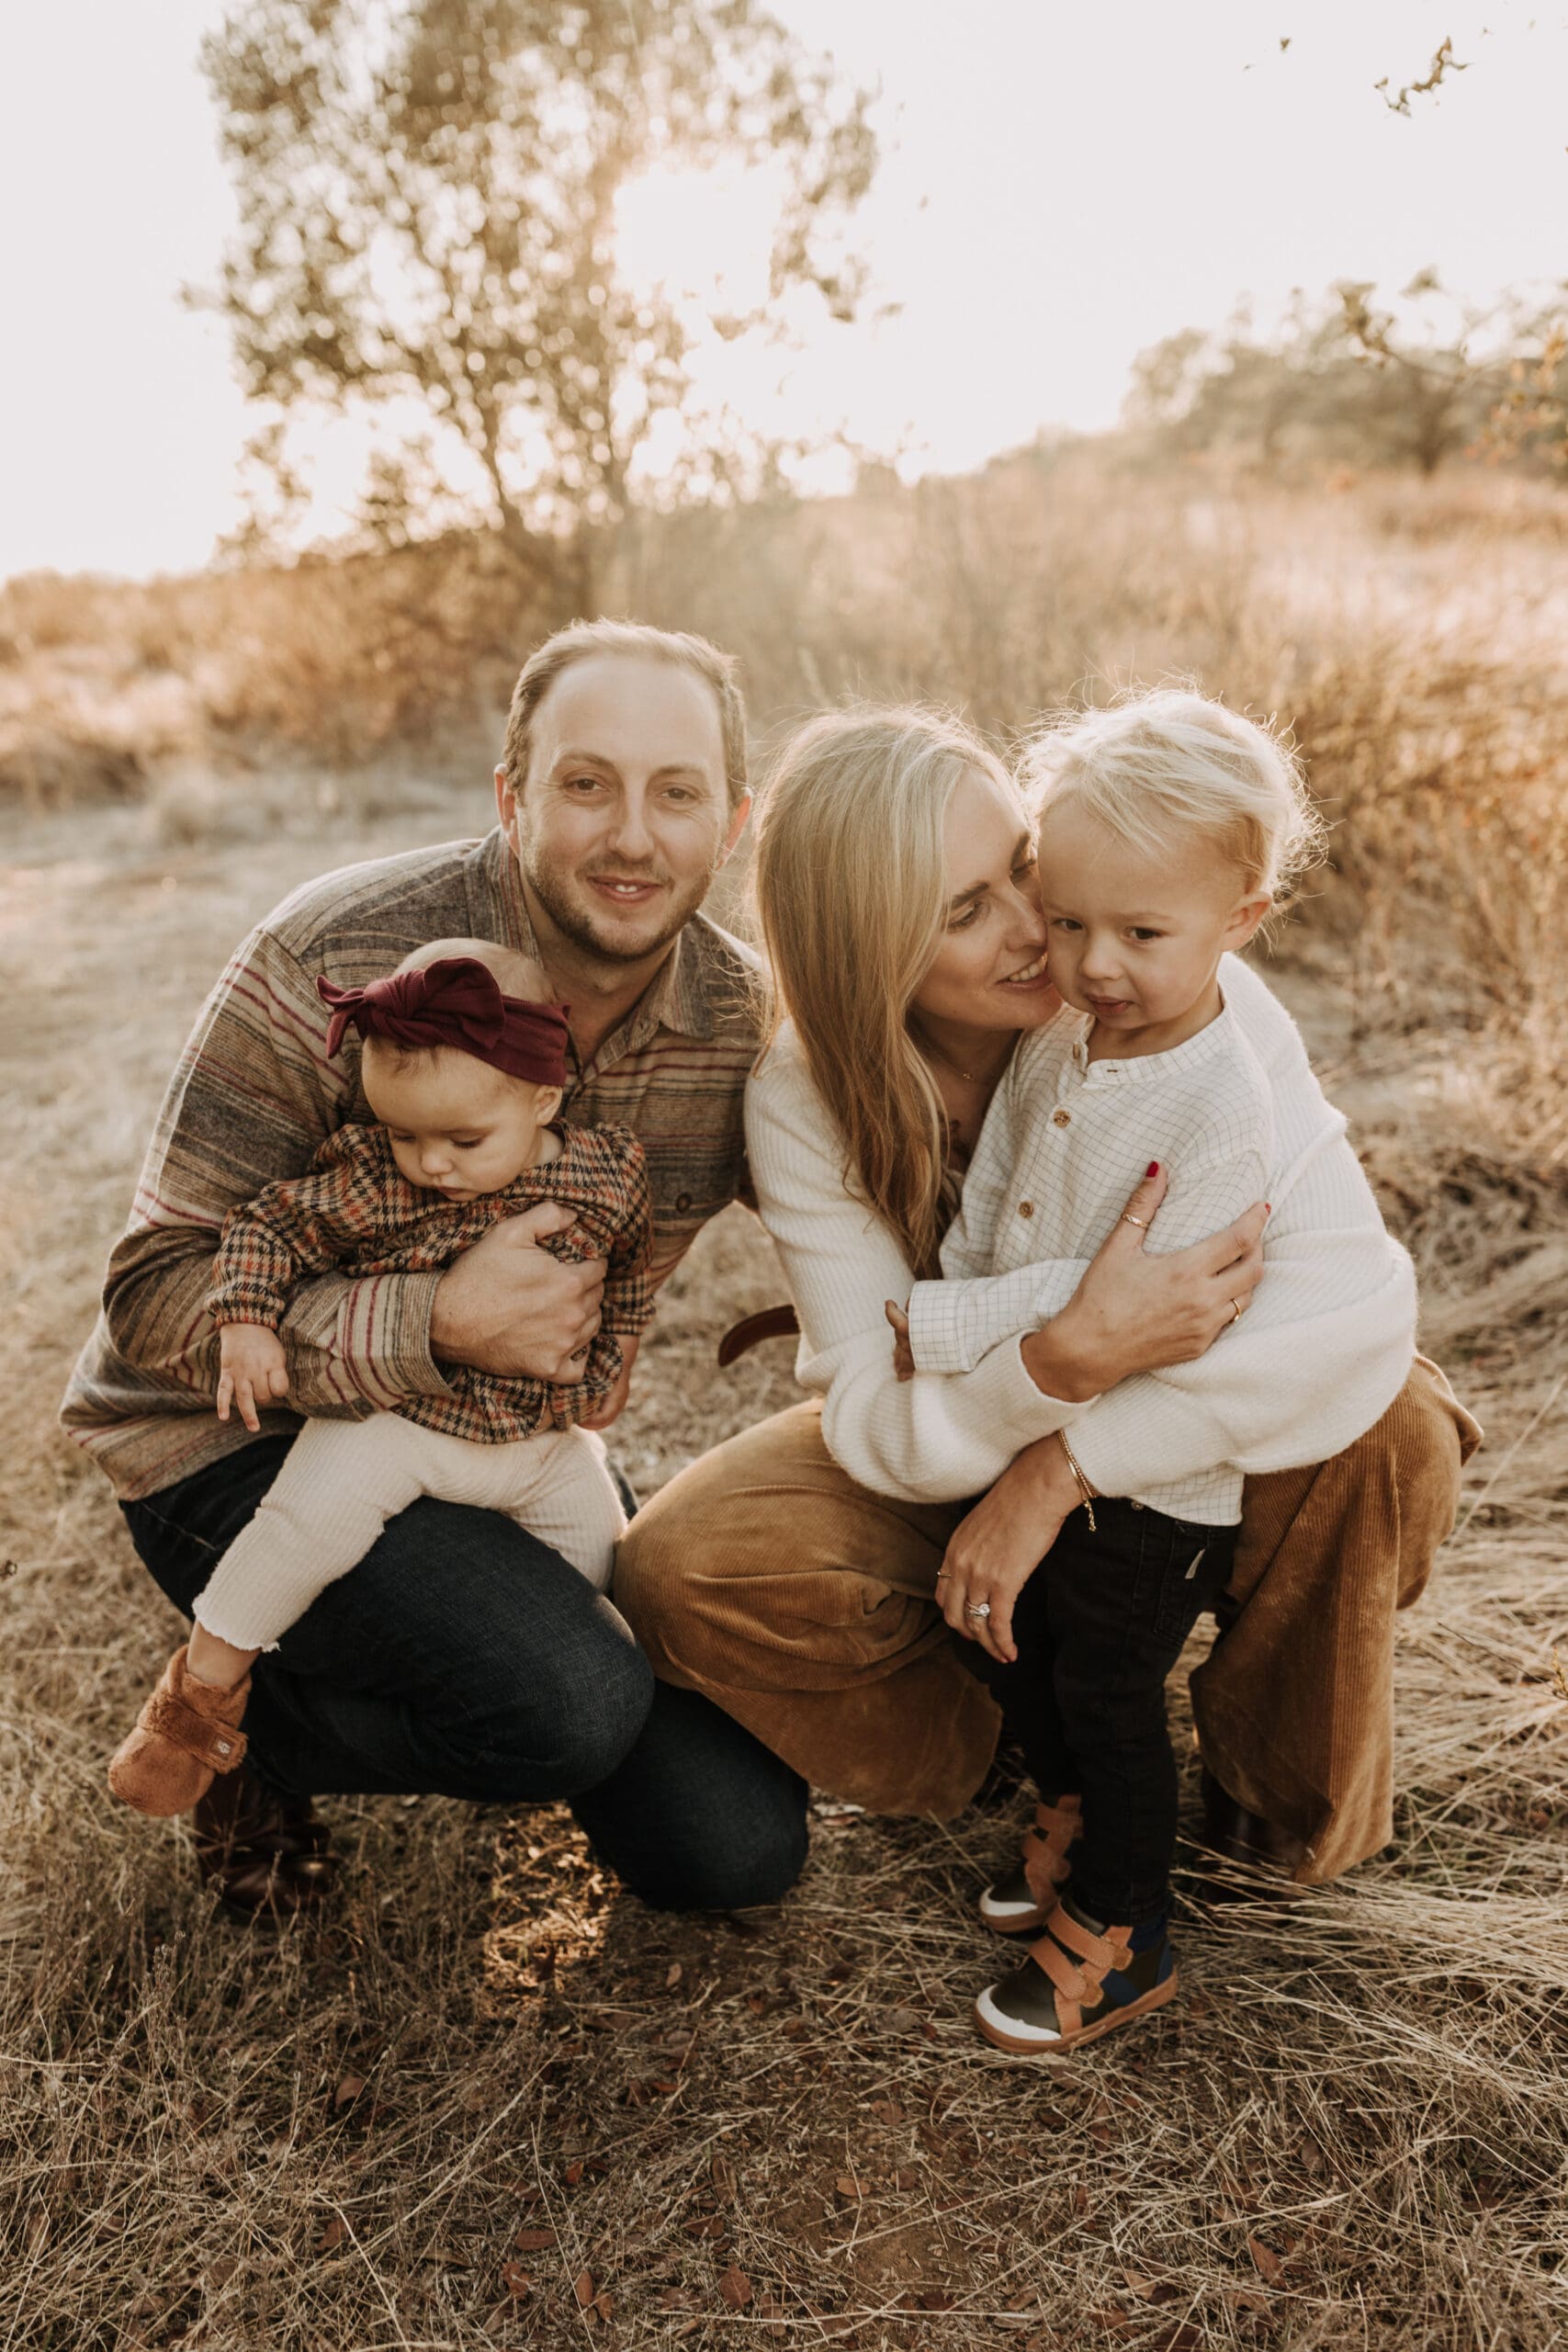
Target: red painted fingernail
{"x":1152,"y":1169}
{"x":1268,"y":1208}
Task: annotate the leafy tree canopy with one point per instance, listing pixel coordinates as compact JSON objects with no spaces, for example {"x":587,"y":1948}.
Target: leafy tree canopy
{"x":427,"y":194}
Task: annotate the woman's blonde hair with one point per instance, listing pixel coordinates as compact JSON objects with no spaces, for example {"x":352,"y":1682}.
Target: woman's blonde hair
{"x":1158,"y":766}
{"x":851,"y":890}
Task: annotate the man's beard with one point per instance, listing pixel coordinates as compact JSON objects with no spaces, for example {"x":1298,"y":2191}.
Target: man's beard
{"x":577,"y":924}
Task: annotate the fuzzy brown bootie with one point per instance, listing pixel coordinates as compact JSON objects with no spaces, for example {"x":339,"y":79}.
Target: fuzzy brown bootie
{"x":186,"y":1732}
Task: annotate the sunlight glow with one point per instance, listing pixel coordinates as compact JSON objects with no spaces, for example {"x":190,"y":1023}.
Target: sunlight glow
{"x":699,"y":237}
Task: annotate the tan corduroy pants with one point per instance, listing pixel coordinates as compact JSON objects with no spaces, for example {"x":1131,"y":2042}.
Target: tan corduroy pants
{"x":802,"y":1604}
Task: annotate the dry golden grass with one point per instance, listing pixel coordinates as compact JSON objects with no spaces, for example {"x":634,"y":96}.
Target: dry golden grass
{"x":494,"y":2103}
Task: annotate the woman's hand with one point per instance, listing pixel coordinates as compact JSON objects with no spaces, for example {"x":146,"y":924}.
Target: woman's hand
{"x":997,"y":1548}
{"x":1136,"y":1313}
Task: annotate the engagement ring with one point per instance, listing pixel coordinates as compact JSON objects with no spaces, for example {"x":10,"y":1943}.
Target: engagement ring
{"x":978,"y":1608}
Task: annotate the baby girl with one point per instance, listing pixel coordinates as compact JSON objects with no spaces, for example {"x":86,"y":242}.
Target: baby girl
{"x":463,"y":1067}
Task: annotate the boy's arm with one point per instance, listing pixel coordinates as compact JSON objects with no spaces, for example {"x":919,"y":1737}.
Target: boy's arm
{"x":250,"y":1101}
{"x":957,"y":1321}
{"x":953,"y":1324}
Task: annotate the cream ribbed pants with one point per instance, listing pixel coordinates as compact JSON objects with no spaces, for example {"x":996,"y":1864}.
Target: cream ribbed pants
{"x":343,"y":1480}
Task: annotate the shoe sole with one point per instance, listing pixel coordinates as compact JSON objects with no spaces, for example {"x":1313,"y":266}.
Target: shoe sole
{"x":1018,"y":1921}
{"x":1017,"y":2047}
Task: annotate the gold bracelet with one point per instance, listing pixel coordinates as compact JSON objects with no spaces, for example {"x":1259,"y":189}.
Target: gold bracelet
{"x":1085,"y":1489}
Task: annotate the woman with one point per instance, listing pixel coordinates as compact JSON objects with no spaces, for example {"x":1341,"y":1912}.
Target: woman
{"x":790,"y":1574}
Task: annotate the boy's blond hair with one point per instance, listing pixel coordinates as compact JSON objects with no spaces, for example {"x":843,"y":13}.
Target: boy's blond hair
{"x":1158,"y":766}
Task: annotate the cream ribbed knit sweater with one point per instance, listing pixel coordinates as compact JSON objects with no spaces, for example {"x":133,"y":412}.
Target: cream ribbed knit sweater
{"x":1335,"y":1311}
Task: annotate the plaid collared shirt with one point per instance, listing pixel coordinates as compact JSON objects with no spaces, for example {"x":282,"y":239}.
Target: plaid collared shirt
{"x":357,"y":1211}
{"x":254,"y":1096}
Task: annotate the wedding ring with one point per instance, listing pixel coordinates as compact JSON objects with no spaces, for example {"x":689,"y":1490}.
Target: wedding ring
{"x":1236,"y":1311}
{"x":978,"y":1608}
{"x":1141,"y":1221}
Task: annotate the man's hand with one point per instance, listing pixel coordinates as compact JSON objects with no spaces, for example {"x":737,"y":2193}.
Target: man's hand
{"x":1135,"y":1313}
{"x":507,"y":1305}
{"x":611,"y":1407}
{"x":996,"y":1549}
{"x":253,"y":1367}
{"x":903,"y":1353}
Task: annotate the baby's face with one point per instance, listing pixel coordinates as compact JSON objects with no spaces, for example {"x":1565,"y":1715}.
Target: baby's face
{"x":1135,"y":937}
{"x":457,"y":1126}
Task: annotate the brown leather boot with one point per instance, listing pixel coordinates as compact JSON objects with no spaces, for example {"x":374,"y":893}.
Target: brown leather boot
{"x":186,"y":1732}
{"x":265,"y":1856}
{"x":1236,"y":1835}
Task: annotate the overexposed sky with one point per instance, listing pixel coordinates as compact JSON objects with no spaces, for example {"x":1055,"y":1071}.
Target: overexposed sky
{"x":1062,"y":185}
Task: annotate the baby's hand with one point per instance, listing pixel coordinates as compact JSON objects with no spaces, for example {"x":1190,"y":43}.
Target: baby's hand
{"x":903,"y":1354}
{"x":253,"y":1365}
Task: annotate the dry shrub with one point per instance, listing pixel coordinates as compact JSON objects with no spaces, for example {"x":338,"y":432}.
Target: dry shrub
{"x":1411,"y":633}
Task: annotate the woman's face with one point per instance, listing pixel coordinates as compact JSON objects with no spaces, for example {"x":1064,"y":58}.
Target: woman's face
{"x":989,"y":971}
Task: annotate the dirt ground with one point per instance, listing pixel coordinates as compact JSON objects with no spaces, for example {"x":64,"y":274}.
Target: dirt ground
{"x":496,"y":2103}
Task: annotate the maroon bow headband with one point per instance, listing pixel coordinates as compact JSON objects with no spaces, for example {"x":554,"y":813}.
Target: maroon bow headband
{"x":457,"y":1002}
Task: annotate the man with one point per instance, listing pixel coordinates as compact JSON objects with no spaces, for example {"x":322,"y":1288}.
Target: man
{"x":462,"y":1657}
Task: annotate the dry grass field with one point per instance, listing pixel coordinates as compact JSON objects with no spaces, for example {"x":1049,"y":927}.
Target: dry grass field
{"x":493,"y":2103}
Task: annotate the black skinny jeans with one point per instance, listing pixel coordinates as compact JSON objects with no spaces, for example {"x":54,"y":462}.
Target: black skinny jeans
{"x":1099,"y":1627}
{"x":463,"y":1658}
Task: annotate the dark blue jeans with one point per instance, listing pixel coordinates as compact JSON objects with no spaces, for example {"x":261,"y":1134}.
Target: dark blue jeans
{"x":1098,"y":1627}
{"x":463,"y":1658}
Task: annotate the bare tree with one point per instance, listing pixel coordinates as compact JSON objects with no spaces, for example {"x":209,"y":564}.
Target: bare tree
{"x":1408,"y":381}
{"x":1439,"y":380}
{"x":427,"y":198}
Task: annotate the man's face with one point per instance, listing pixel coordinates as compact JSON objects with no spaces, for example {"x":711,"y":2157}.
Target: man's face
{"x":625,"y":818}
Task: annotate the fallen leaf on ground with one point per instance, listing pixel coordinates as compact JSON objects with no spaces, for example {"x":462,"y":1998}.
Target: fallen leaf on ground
{"x":848,"y":2185}
{"x":573,"y":2173}
{"x":515,"y":2281}
{"x":887,"y":2110}
{"x":583,"y":2287}
{"x":533,"y":2241}
{"x":1269,"y":2263}
{"x":735,"y":2288}
{"x":334,"y":2234}
{"x":673,"y":1975}
{"x":348,"y":2089}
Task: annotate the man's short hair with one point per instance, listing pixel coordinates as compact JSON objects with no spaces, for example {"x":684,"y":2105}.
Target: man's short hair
{"x":582,"y":640}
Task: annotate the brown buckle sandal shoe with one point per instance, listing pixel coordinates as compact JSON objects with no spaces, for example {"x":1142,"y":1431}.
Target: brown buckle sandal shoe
{"x":1026,"y":1895}
{"x":1080,"y":1981}
{"x":186,"y":1733}
{"x":266,"y":1857}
